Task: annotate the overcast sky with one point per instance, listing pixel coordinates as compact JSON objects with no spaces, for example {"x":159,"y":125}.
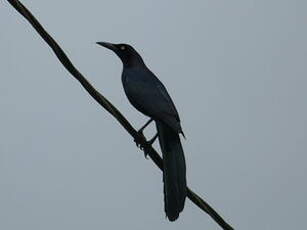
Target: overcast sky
{"x":236,"y":71}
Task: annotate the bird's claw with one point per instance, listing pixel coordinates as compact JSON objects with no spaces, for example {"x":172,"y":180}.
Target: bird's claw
{"x":137,"y":143}
{"x":146,"y":154}
{"x":139,"y":139}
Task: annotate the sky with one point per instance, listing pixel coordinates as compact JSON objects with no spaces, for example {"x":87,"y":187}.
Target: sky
{"x":236,"y":71}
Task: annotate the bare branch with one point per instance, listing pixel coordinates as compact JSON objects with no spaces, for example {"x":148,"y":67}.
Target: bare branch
{"x":110,"y":108}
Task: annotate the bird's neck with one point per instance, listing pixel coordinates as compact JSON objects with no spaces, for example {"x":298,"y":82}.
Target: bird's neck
{"x":134,"y":62}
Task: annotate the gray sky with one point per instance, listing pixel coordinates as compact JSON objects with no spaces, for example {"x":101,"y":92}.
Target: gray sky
{"x":237,"y":73}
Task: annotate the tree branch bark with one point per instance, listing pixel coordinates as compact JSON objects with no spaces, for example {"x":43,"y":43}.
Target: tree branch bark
{"x":106,"y":104}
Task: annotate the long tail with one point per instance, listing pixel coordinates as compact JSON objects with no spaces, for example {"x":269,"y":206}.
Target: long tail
{"x":174,"y":174}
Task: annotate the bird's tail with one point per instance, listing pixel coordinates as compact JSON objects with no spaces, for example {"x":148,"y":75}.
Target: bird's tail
{"x":174,"y":173}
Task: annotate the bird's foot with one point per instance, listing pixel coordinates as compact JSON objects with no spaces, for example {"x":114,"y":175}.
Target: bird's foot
{"x":146,"y":149}
{"x":139,"y":139}
{"x":144,"y":145}
{"x":146,"y":153}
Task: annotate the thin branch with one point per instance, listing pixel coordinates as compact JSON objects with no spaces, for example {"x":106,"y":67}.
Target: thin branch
{"x":105,"y":103}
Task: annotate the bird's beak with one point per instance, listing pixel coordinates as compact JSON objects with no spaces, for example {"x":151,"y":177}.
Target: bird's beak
{"x":107,"y":45}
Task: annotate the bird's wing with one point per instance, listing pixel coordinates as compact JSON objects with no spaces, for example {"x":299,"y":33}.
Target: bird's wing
{"x":150,"y":97}
{"x":168,"y":100}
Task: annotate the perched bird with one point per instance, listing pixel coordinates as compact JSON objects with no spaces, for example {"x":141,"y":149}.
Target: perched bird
{"x":148,"y":95}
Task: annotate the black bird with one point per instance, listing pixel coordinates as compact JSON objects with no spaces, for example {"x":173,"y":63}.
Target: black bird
{"x":148,"y":95}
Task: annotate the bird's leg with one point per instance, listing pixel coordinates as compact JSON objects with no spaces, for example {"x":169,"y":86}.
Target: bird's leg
{"x":148,"y":144}
{"x":140,"y":132}
{"x":152,"y":140}
{"x":144,"y":126}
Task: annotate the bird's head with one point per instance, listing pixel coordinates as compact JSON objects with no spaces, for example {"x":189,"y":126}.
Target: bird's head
{"x":125,"y":52}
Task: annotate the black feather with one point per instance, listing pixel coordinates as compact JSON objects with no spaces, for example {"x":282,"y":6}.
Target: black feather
{"x":174,"y":173}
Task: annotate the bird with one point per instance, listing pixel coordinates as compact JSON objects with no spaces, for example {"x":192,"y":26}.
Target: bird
{"x":149,"y":96}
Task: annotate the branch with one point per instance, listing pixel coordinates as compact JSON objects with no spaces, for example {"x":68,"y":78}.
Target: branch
{"x":106,"y":104}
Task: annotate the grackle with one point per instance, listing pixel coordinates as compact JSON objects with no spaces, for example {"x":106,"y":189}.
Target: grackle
{"x":148,"y":95}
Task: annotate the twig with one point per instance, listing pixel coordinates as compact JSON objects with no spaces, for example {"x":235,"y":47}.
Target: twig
{"x":110,"y":108}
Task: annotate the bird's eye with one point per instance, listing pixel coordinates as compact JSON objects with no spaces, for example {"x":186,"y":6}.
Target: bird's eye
{"x":123,"y":47}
